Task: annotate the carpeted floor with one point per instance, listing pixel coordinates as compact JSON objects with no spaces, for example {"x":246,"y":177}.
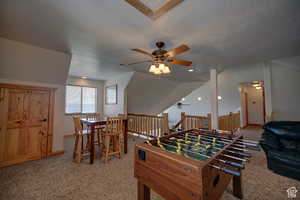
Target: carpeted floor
{"x":58,"y":178}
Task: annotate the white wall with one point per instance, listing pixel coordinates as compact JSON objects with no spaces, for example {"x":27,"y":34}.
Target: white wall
{"x":121,"y":106}
{"x":68,"y":121}
{"x":29,"y":65}
{"x":148,"y":94}
{"x":286,"y":92}
{"x":228,"y":88}
{"x":20,"y":61}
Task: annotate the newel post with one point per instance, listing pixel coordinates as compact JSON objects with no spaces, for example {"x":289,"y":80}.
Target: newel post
{"x":209,"y":121}
{"x":231,"y":122}
{"x":182,"y":120}
{"x":166,"y":123}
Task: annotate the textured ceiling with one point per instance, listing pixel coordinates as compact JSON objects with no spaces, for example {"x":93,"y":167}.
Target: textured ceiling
{"x":100,"y":33}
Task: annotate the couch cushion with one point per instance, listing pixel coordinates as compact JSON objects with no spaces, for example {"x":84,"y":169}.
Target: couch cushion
{"x":284,"y":129}
{"x":290,"y":144}
{"x":288,"y":157}
{"x":270,"y":141}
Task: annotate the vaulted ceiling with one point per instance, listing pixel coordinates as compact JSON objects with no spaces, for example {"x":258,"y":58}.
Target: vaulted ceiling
{"x":100,"y":33}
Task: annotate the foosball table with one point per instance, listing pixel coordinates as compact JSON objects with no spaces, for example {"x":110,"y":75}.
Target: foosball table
{"x":192,"y":165}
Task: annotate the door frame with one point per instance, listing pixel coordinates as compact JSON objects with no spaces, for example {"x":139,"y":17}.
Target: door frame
{"x":264,"y":108}
{"x":51,"y":91}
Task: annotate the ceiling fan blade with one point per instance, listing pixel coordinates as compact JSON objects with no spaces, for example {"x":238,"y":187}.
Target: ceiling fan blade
{"x":177,"y":50}
{"x":180,"y":62}
{"x":145,"y":61}
{"x":142,"y":51}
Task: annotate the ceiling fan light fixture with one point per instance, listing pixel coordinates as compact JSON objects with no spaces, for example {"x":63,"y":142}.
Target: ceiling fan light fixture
{"x":161,"y":66}
{"x":166,"y":70}
{"x":152,"y":69}
{"x":157,"y":71}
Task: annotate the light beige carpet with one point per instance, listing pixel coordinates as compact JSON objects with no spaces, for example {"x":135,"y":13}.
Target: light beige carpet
{"x":58,"y":178}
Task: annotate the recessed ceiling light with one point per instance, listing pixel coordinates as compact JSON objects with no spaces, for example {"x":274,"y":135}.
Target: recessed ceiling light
{"x":199,"y":98}
{"x":190,"y":70}
{"x":84,"y":77}
{"x":183,"y":99}
{"x":219,"y":97}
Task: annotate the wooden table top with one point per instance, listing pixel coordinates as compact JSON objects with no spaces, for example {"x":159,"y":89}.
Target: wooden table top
{"x":95,"y":121}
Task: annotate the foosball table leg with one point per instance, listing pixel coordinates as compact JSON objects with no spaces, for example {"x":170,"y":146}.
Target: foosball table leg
{"x":237,"y":186}
{"x":143,"y":191}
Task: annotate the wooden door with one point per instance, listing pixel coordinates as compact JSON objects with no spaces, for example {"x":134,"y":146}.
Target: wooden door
{"x":36,"y":109}
{"x":24,"y":121}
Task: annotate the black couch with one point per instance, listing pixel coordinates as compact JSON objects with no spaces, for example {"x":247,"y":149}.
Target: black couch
{"x":281,"y":143}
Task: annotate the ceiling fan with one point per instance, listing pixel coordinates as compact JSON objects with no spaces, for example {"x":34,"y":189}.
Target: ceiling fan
{"x":160,"y":57}
{"x":179,"y":105}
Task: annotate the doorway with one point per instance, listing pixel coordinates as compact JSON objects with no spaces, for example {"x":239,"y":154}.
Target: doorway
{"x":252,"y":103}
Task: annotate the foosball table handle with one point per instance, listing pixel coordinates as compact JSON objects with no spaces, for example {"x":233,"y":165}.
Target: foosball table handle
{"x":255,"y":148}
{"x":247,"y":155}
{"x":227,"y":171}
{"x":235,"y":164}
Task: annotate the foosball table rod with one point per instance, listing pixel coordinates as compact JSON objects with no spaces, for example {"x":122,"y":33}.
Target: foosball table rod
{"x":227,"y":139}
{"x":199,"y":144}
{"x":214,"y":146}
{"x":231,"y":163}
{"x":228,"y":171}
{"x":235,"y":158}
{"x":211,"y":142}
{"x":244,"y":140}
{"x":225,"y":170}
{"x":247,"y":145}
{"x":247,"y":155}
{"x":222,"y":131}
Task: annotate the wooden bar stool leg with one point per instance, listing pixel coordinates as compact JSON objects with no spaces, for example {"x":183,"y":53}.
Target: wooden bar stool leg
{"x":119,"y":145}
{"x":75,"y":146}
{"x":78,"y":149}
{"x":107,"y":147}
{"x":99,"y":141}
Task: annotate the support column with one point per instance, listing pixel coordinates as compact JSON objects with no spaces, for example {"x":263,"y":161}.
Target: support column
{"x":214,"y":99}
{"x":268,"y":90}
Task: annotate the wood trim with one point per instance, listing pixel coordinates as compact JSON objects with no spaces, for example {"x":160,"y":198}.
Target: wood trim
{"x":141,"y":7}
{"x":18,"y":161}
{"x":154,"y":14}
{"x":254,"y":125}
{"x":50,"y":123}
{"x":30,"y":87}
{"x":56,"y":153}
{"x":165,"y":8}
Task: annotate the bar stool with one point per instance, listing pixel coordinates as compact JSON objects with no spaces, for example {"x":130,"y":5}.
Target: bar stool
{"x":113,"y":137}
{"x":79,"y":150}
{"x":95,"y":116}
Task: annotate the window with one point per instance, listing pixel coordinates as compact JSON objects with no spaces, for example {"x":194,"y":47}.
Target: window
{"x":111,"y":93}
{"x":81,"y":99}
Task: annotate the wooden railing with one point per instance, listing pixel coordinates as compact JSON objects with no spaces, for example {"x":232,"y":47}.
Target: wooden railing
{"x":230,"y":122}
{"x":192,"y":121}
{"x":148,"y":125}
